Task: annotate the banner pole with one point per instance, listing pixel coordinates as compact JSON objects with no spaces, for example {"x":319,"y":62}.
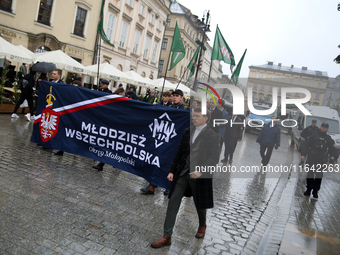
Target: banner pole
{"x":100,"y":45}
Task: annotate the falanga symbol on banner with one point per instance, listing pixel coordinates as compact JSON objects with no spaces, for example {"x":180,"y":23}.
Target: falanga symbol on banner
{"x":49,"y":122}
{"x":163,"y":129}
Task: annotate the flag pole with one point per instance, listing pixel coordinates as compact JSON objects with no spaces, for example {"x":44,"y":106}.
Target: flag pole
{"x":181,"y":78}
{"x":100,"y":45}
{"x":166,"y":71}
{"x":211,"y":62}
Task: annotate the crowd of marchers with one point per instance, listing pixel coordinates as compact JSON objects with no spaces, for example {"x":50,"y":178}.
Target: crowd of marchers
{"x":201,"y":145}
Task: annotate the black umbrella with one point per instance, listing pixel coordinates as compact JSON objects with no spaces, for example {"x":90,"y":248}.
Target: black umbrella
{"x":43,"y":67}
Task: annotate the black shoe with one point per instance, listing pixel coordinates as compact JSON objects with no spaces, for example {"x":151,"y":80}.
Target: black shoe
{"x":150,"y":190}
{"x":59,"y":153}
{"x":145,"y":190}
{"x":99,"y":168}
{"x":224,"y":160}
{"x":307,"y":192}
{"x":315,"y":195}
{"x":166,"y":192}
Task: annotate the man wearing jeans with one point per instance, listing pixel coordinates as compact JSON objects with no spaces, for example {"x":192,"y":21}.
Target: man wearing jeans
{"x":269,"y":138}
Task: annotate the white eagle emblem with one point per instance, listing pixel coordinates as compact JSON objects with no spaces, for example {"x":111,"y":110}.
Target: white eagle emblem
{"x":49,"y":124}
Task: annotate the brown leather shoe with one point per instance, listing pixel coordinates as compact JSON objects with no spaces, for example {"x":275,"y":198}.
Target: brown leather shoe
{"x":164,"y":241}
{"x":201,"y":232}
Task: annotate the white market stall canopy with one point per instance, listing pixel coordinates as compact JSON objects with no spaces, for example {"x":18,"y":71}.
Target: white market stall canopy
{"x":27,"y":51}
{"x":159,"y":84}
{"x":107,"y":71}
{"x":136,"y":79}
{"x":12,"y":53}
{"x":187,"y":91}
{"x":62,"y":61}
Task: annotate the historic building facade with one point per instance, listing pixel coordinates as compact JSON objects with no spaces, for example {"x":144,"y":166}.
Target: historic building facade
{"x":263,"y":78}
{"x":46,"y":25}
{"x":136,"y":29}
{"x":332,"y":94}
{"x":190,"y":27}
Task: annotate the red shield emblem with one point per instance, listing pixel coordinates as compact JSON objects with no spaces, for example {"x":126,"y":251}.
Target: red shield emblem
{"x":49,"y":124}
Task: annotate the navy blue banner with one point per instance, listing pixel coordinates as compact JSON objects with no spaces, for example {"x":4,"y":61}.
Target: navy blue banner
{"x":134,"y":136}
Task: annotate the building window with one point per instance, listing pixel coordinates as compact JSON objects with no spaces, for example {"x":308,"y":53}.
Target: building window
{"x":273,"y":78}
{"x":270,"y":89}
{"x":141,"y":10}
{"x":151,"y":18}
{"x":168,"y":21}
{"x":262,"y":87}
{"x":159,"y":24}
{"x":135,"y":44}
{"x":297,"y":94}
{"x":79,"y":25}
{"x":257,"y":75}
{"x":160,"y":65}
{"x":123,"y":35}
{"x":184,"y":26}
{"x":129,"y":2}
{"x":311,"y":84}
{"x":255,"y":86}
{"x":164,"y":43}
{"x":329,"y":103}
{"x":45,"y":10}
{"x":317,"y":96}
{"x":110,"y":25}
{"x":291,"y":80}
{"x":154,"y":52}
{"x":264,"y":76}
{"x":6,"y":5}
{"x":330,"y":96}
{"x":300,"y":82}
{"x":319,"y":85}
{"x":146,"y":48}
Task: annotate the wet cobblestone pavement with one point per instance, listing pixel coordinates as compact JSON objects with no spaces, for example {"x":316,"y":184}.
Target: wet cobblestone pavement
{"x":60,"y":205}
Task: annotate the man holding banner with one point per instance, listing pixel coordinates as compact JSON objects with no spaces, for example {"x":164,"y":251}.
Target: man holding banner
{"x":198,"y":148}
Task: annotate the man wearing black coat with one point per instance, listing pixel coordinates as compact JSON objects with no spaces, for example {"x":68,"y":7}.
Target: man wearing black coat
{"x":26,"y":87}
{"x":199,"y":147}
{"x":233,"y":132}
{"x":269,"y":138}
{"x":103,"y":86}
{"x":318,"y":147}
{"x":215,"y":114}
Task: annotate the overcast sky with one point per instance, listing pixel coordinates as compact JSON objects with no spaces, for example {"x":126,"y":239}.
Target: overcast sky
{"x":291,"y":32}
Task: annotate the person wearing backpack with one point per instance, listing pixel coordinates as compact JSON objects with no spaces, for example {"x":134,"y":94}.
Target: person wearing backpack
{"x":26,"y":88}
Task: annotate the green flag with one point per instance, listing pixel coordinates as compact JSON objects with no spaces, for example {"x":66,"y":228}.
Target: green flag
{"x":236,"y":74}
{"x":177,"y":48}
{"x":193,"y":63}
{"x":221,"y":50}
{"x":100,"y":27}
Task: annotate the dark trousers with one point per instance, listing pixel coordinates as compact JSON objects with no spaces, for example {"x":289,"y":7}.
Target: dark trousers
{"x":175,"y":200}
{"x":101,"y":164}
{"x":230,"y":146}
{"x":266,"y":153}
{"x":23,"y":96}
{"x":314,"y":178}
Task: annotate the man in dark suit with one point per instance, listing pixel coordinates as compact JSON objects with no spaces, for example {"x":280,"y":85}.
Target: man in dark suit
{"x":199,"y":147}
{"x":56,"y":78}
{"x":215,"y":114}
{"x":233,"y":132}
